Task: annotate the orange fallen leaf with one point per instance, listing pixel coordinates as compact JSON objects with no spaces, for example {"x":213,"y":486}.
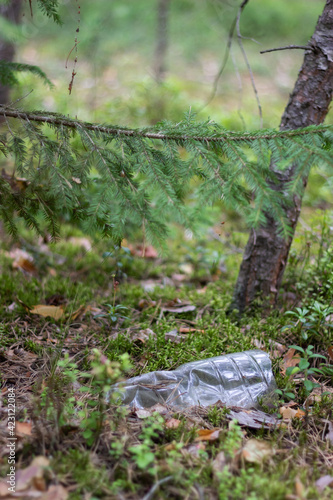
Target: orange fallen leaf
{"x":290,"y":359}
{"x":208,"y":434}
{"x":289,"y":413}
{"x":55,"y":312}
{"x":23,"y":428}
{"x":25,"y":264}
{"x":299,"y":488}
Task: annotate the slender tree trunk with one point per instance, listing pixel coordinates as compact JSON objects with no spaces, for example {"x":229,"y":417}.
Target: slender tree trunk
{"x":10,"y":11}
{"x":162,"y":39}
{"x":266,"y":253}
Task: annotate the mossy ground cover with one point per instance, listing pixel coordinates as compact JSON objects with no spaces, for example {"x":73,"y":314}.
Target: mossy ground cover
{"x":114,"y":325}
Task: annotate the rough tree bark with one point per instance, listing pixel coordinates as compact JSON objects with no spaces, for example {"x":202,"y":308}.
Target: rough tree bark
{"x":266,"y":253}
{"x":10,"y":11}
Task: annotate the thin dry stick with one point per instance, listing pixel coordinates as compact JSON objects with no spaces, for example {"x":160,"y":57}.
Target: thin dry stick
{"x":287,"y":47}
{"x":225,"y":57}
{"x":240,"y":43}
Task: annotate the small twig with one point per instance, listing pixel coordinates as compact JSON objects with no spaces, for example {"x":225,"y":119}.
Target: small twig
{"x":18,"y":100}
{"x":240,"y":43}
{"x":150,"y":494}
{"x":287,"y":47}
{"x":225,"y":57}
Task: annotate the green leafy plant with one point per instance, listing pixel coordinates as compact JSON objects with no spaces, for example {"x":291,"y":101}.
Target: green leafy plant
{"x":143,"y":453}
{"x":103,"y":375}
{"x":114,"y":311}
{"x":304,"y":366}
{"x":311,"y":322}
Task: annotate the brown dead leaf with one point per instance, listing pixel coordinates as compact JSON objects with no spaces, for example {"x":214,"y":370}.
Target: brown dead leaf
{"x":145,"y":304}
{"x":55,"y":312}
{"x":173,"y":423}
{"x":23,"y":428}
{"x":255,"y":450}
{"x":149,"y":252}
{"x":143,"y":335}
{"x":22,"y":260}
{"x":290,"y":359}
{"x":208,"y":434}
{"x":289,"y":413}
{"x":32,"y":476}
{"x":55,"y":492}
{"x":330,"y":352}
{"x":26,"y":265}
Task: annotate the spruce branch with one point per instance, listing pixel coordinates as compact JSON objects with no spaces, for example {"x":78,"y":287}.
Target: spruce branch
{"x":115,"y":177}
{"x":219,"y":136}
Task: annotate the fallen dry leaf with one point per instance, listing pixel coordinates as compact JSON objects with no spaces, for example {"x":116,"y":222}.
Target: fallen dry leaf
{"x":289,"y":413}
{"x":33,"y":475}
{"x":23,"y":428}
{"x":145,"y":304}
{"x":149,"y":252}
{"x":254,"y":419}
{"x":330,"y":352}
{"x":208,"y":434}
{"x":324,"y":482}
{"x":276,"y":349}
{"x":219,"y":463}
{"x":173,"y":423}
{"x":22,"y":260}
{"x":143,"y":335}
{"x":143,"y":413}
{"x":55,"y":312}
{"x":255,"y":450}
{"x":290,"y":359}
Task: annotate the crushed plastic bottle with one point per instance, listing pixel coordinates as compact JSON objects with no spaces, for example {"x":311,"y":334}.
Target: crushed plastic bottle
{"x":243,"y":379}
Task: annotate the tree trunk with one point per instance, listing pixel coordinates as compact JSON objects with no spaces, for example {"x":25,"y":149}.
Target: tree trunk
{"x":266,"y":253}
{"x":10,"y":11}
{"x":162,"y":39}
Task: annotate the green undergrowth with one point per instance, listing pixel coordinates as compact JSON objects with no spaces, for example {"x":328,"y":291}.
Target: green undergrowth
{"x":114,"y":326}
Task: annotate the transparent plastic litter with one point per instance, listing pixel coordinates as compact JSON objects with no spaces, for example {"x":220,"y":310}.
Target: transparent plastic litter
{"x":243,"y":379}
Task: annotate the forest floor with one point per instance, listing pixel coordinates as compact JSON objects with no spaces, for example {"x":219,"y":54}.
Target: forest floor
{"x":78,"y":315}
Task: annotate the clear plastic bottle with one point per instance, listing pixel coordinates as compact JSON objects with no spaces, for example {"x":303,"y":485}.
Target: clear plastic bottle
{"x":243,"y":379}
